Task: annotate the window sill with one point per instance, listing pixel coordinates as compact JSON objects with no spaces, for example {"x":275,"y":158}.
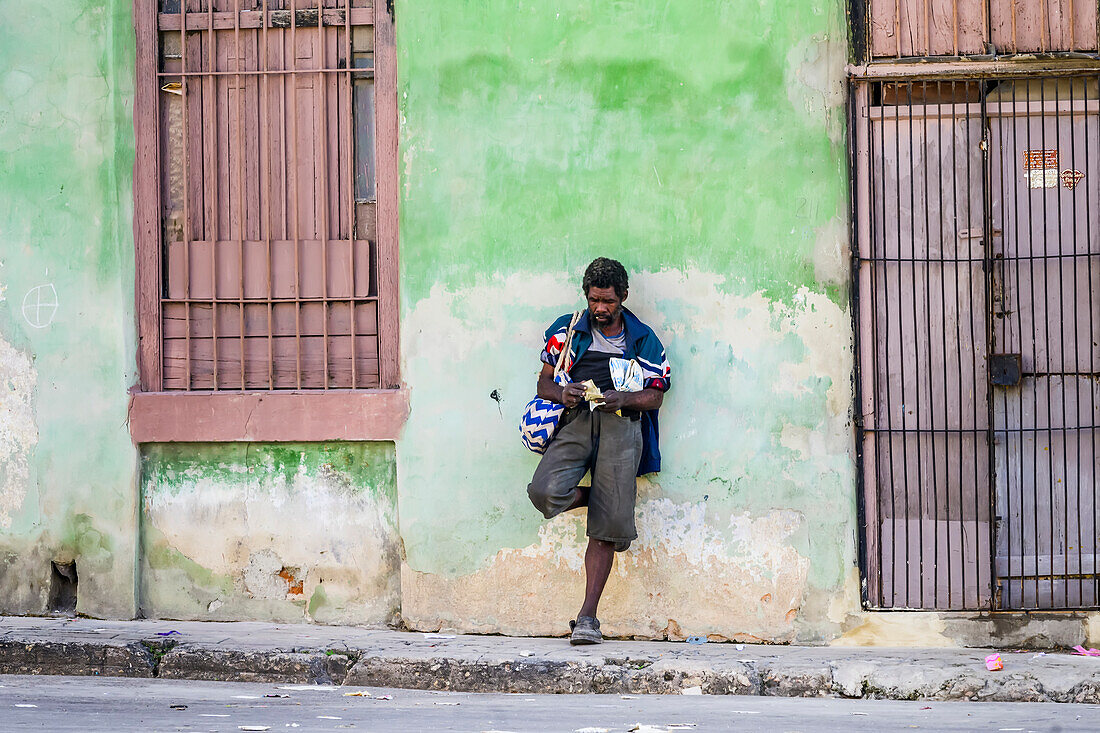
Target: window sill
{"x":222,"y":417}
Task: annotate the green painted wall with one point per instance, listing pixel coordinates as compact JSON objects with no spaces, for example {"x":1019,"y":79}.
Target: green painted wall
{"x":701,"y":144}
{"x":67,"y":468}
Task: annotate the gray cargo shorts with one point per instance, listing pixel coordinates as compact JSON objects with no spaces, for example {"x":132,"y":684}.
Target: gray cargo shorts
{"x":608,"y":445}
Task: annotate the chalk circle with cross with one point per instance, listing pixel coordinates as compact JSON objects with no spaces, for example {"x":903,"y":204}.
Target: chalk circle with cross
{"x":40,"y":305}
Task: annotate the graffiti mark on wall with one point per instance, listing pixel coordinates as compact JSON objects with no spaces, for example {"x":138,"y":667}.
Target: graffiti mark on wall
{"x":40,"y":305}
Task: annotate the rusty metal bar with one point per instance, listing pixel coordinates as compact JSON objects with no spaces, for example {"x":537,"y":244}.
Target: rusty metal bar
{"x":916,"y":359}
{"x":958,"y":358}
{"x":241,"y":186}
{"x":1076,"y":342}
{"x":973,"y":356}
{"x":943,"y":352}
{"x":348,"y":116}
{"x":1035,"y":394}
{"x":988,"y":310}
{"x":320,"y":102}
{"x":1062,"y":366}
{"x":185,"y":144}
{"x":288,"y":72}
{"x":292,"y":114}
{"x":1092,"y":332}
{"x":1047,"y":345}
{"x":261,"y":301}
{"x":210,"y":180}
{"x":1017,"y":603}
{"x":265,"y":194}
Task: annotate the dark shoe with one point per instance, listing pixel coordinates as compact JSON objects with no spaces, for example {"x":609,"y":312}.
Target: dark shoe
{"x":586,"y":630}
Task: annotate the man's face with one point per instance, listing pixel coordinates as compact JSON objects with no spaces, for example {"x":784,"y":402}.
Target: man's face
{"x":604,"y":305}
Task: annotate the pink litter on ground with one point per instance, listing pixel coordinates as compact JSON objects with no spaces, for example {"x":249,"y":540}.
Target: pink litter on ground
{"x":993,"y":662}
{"x":1081,"y":651}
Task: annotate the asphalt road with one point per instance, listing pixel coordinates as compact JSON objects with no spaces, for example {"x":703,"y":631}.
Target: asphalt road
{"x":114,"y":704}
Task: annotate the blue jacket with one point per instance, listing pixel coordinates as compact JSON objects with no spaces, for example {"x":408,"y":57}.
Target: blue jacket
{"x":641,"y":344}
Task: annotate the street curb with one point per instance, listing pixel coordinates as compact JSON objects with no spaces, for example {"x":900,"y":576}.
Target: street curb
{"x":855,"y":680}
{"x":250,"y":652}
{"x":76,"y":658}
{"x":186,"y":662}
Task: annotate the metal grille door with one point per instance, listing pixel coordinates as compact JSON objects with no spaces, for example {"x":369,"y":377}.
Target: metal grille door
{"x":976,"y":340}
{"x":1044,"y":186}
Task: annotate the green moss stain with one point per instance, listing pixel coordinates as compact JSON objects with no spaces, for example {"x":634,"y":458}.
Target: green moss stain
{"x":81,"y":535}
{"x":317,"y":601}
{"x":160,"y":556}
{"x":353,"y":467}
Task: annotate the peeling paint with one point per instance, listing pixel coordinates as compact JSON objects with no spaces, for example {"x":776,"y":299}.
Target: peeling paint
{"x":753,"y":514}
{"x":674,"y":579}
{"x":813,"y":87}
{"x":264,"y":531}
{"x":18,"y":432}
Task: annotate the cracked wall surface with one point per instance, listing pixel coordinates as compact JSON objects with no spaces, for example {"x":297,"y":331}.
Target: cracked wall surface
{"x":702,"y":144}
{"x":67,"y":467}
{"x":274,"y":532}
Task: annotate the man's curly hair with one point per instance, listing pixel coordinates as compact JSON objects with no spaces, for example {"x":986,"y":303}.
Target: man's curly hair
{"x":605,"y":273}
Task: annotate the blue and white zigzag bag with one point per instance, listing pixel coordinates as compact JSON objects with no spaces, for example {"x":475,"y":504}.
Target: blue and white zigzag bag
{"x":540,"y":417}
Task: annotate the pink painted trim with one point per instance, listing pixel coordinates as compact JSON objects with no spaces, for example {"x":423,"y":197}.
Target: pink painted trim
{"x":223,"y":417}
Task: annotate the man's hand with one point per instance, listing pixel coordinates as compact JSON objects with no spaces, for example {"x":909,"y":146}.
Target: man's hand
{"x":613,"y":401}
{"x":647,"y":399}
{"x":572,"y":395}
{"x":569,"y":395}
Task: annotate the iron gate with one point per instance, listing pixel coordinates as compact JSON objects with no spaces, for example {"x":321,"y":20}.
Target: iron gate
{"x":977,"y":379}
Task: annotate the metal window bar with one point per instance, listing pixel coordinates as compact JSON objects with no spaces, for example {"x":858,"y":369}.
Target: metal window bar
{"x":977,"y":339}
{"x":268,"y":260}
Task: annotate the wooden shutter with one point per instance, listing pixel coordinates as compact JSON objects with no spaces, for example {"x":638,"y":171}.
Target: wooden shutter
{"x":270,"y":272}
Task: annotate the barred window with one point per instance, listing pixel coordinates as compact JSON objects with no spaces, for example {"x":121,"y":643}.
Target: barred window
{"x":266,"y":264}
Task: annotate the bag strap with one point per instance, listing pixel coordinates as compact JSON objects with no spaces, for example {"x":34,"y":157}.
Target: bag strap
{"x":565,"y":349}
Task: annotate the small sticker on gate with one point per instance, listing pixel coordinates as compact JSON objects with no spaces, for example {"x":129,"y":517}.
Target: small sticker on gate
{"x":1046,"y":178}
{"x":1070,"y":178}
{"x":1040,"y":159}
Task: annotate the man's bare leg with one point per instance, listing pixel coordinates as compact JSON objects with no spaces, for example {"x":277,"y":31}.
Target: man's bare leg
{"x":598,"y":559}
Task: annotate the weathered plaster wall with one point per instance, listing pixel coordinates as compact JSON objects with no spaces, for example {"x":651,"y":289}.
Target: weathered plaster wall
{"x":701,"y":144}
{"x":67,"y":468}
{"x":284,"y":532}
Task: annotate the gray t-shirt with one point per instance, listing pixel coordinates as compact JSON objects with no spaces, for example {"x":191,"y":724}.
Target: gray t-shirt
{"x":615,"y":345}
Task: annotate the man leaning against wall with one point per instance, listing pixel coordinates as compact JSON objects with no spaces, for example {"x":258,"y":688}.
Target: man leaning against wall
{"x":608,"y":431}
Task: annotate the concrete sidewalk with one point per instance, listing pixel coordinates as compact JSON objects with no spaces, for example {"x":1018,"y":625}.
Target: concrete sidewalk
{"x":256,"y":652}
